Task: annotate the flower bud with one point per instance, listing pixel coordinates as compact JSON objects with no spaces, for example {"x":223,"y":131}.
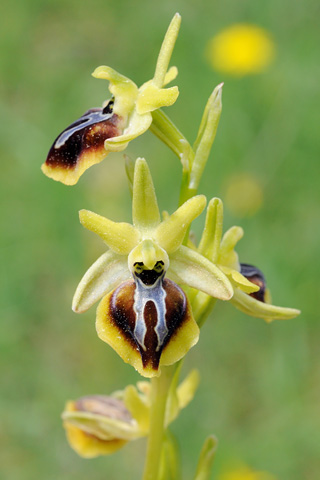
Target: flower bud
{"x":98,"y":425}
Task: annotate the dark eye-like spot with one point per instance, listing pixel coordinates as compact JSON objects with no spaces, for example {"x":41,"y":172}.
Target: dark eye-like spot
{"x":159,"y":266}
{"x":108,"y":108}
{"x":148,"y":277}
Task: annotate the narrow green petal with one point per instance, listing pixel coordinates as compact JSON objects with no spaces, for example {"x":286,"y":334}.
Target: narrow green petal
{"x":103,"y":276}
{"x":170,"y":233}
{"x":145,"y":211}
{"x":209,"y":245}
{"x":151,"y":98}
{"x":170,"y":75}
{"x":228,"y":256}
{"x":190,"y":268}
{"x":138,"y":124}
{"x":123,"y":89}
{"x":119,"y":236}
{"x":239,"y":280}
{"x":255,"y":308}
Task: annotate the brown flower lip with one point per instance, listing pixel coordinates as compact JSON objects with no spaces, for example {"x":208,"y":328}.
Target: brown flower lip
{"x":84,"y":136}
{"x":254,"y":275}
{"x":123,"y":316}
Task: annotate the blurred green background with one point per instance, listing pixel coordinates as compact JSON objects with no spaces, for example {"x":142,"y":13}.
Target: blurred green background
{"x":260,"y":383}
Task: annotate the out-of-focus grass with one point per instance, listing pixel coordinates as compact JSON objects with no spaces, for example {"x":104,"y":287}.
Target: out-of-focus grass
{"x":260,"y":383}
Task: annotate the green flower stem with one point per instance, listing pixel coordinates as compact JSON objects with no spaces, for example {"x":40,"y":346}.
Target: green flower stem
{"x":159,"y":393}
{"x":186,"y":192}
{"x":202,"y":308}
{"x":169,"y":134}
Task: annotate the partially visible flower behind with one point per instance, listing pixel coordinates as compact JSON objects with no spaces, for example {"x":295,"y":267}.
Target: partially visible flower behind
{"x":246,"y":473}
{"x":251,"y":295}
{"x":124,"y":117}
{"x":240,"y":49}
{"x":100,"y":424}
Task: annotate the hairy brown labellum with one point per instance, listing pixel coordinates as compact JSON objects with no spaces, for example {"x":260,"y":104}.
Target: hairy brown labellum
{"x":81,"y":145}
{"x":148,"y":316}
{"x":144,"y":315}
{"x":87,"y":134}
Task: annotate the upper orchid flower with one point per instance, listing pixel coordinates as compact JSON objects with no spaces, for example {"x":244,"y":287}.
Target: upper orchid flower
{"x":110,"y":128}
{"x":144,"y":315}
{"x":250,"y":292}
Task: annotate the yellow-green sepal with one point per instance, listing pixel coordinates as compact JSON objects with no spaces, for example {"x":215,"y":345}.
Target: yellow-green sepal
{"x":170,"y":233}
{"x":121,"y":237}
{"x":103,"y":276}
{"x":255,"y":308}
{"x":190,"y":268}
{"x":145,"y":211}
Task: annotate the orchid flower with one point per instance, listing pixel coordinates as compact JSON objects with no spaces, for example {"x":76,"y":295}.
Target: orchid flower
{"x":144,"y":315}
{"x":127,"y":115}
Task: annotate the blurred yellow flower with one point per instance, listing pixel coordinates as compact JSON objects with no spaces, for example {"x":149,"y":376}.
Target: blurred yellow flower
{"x":245,"y":473}
{"x":100,"y":424}
{"x":240,"y":49}
{"x":243,"y":194}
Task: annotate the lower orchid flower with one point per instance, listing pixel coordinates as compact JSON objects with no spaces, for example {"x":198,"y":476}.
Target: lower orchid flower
{"x":144,"y":315}
{"x":100,"y":424}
